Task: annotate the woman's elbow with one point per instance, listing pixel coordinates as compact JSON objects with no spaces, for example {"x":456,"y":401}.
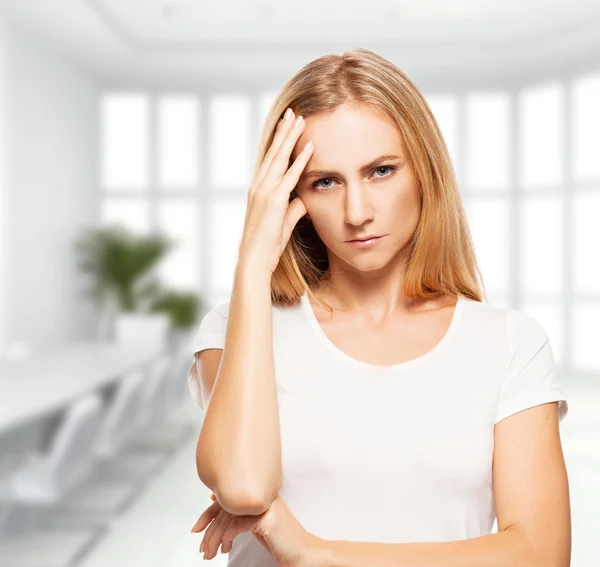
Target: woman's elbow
{"x":240,"y":500}
{"x":236,"y":500}
{"x":236,"y":496}
{"x":241,"y":503}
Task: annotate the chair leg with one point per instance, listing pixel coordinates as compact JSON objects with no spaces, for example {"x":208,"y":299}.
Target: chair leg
{"x":19,"y":518}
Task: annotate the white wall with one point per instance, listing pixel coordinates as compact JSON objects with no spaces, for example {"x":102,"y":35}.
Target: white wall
{"x":51,"y":181}
{"x":3,"y":238}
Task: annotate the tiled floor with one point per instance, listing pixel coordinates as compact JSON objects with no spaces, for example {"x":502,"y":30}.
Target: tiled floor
{"x":155,"y":530}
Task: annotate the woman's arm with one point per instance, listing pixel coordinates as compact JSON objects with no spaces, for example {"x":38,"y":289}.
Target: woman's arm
{"x":239,"y":447}
{"x":510,"y":548}
{"x":238,"y":455}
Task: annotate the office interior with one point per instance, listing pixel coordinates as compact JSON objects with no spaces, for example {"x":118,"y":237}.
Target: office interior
{"x":127,"y":123}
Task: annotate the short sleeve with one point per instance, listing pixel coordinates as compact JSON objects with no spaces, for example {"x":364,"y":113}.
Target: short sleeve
{"x":530,"y":378}
{"x":210,"y":334}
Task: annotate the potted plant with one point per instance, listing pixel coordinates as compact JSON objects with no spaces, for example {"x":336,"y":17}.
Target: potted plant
{"x":182,"y":309}
{"x":121,"y":266}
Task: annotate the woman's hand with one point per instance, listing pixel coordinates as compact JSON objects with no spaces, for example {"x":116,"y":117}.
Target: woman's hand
{"x":277,"y":530}
{"x":270,"y":215}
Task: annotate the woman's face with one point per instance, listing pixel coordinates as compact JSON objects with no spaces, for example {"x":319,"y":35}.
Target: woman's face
{"x":348,"y":195}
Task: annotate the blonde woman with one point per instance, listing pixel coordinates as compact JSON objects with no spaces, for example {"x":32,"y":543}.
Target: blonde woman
{"x":364,"y":406}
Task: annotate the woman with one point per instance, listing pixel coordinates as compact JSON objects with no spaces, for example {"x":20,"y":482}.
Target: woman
{"x":371,"y":408}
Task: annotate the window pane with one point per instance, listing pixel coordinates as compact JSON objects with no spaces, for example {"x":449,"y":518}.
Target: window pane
{"x":179,"y":221}
{"x":541,"y":134}
{"x":445,"y":110}
{"x":586,"y":330}
{"x":541,"y":248}
{"x":549,"y":316}
{"x":488,"y":221}
{"x":586,"y":128}
{"x":134,"y":214}
{"x":587,"y":237}
{"x":230,"y":140}
{"x":4,"y":239}
{"x":178,"y":141}
{"x":264,"y":105}
{"x":124,"y":141}
{"x":226,"y":229}
{"x":487,"y":117}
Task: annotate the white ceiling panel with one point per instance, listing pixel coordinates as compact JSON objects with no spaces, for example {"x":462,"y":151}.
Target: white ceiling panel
{"x":253,"y":40}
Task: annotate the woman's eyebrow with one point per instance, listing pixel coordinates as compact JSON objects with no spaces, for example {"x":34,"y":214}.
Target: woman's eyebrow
{"x":366,"y":167}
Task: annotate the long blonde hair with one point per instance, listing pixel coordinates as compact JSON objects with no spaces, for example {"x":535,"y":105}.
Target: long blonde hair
{"x":441,"y":258}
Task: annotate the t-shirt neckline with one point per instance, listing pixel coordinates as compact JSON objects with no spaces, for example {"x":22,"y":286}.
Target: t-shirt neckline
{"x":450,"y":332}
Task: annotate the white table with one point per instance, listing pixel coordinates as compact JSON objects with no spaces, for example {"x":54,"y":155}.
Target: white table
{"x":39,"y":388}
{"x":46,"y":382}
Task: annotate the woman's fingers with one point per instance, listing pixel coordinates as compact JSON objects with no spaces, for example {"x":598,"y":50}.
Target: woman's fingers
{"x":209,"y":542}
{"x":213,"y":540}
{"x":295,"y":211}
{"x":292,"y":175}
{"x":228,"y":536}
{"x":267,"y":217}
{"x":206,"y":517}
{"x":281,"y":160}
{"x":238,"y":525}
{"x":280,"y":133}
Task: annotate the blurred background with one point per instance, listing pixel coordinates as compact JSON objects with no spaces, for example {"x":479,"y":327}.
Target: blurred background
{"x":128,"y":133}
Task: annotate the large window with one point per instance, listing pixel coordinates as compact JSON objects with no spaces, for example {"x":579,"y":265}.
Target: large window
{"x":181,"y":164}
{"x":526,"y":160}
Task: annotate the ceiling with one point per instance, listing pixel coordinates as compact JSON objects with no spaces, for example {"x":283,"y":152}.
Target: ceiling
{"x":183,"y":42}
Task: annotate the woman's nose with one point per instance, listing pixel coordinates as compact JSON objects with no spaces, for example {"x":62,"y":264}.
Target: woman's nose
{"x":357,"y":206}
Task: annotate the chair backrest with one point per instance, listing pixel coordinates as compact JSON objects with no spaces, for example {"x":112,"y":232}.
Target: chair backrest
{"x":178,"y":389}
{"x":17,"y":350}
{"x":167,"y":387}
{"x":70,"y":456}
{"x":120,"y":421}
{"x":154,"y":390}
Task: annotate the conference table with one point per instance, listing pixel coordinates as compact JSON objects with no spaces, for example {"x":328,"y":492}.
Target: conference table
{"x":40,"y":386}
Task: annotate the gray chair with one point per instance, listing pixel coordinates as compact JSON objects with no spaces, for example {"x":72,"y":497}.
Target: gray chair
{"x":160,"y":431}
{"x":120,"y":423}
{"x":45,"y":478}
{"x":155,"y":388}
{"x":42,"y":483}
{"x":120,"y":474}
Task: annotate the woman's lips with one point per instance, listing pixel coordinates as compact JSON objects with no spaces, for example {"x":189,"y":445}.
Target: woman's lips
{"x":366,"y":243}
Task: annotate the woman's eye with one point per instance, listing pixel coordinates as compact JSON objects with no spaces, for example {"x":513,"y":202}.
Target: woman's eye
{"x":391,"y":168}
{"x":317,"y":184}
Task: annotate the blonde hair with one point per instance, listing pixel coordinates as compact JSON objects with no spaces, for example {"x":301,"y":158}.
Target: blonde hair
{"x":441,"y":258}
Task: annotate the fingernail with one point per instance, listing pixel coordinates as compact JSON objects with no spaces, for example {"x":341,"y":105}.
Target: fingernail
{"x":287,"y":114}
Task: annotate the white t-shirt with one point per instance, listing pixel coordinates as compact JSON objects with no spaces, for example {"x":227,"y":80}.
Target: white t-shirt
{"x":395,"y":453}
